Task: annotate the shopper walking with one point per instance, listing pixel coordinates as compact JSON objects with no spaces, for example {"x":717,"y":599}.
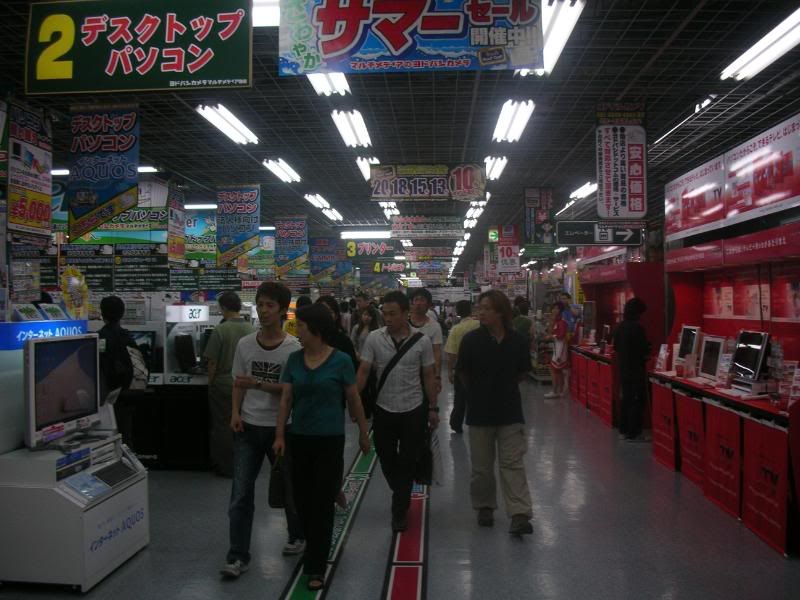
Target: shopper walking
{"x":219,"y":352}
{"x":632,"y":349}
{"x":257,"y":366}
{"x":403,"y":360}
{"x":560,"y":358}
{"x":423,"y":318}
{"x":314,"y":380}
{"x":338,"y":339}
{"x":367,"y":323}
{"x":116,"y":366}
{"x":465,"y":325}
{"x":492,"y":360}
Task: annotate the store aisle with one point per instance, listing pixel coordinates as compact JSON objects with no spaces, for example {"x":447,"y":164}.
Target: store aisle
{"x":608,"y":523}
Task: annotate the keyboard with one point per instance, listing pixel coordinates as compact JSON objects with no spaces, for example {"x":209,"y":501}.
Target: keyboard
{"x":114,"y":473}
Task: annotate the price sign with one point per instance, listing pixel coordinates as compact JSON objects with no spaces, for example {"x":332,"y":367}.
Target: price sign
{"x":507,"y":259}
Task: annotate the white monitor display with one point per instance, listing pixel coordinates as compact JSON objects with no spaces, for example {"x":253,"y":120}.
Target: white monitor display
{"x":689,"y":341}
{"x":61,"y":386}
{"x":709,"y":357}
{"x":748,"y":358}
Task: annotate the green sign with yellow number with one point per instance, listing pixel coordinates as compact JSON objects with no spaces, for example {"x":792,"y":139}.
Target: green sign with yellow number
{"x":130,"y":45}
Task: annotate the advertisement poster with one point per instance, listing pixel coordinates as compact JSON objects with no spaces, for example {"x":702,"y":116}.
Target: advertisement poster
{"x":539,"y":221}
{"x":763,"y":174}
{"x":261,"y":260}
{"x":134,"y":226}
{"x":96,"y":262}
{"x":30,"y":144}
{"x":176,"y":229}
{"x":133,"y":46}
{"x":59,"y":217}
{"x":718,"y":296}
{"x":3,"y":141}
{"x":324,"y":256}
{"x":785,"y":293}
{"x":746,"y":294}
{"x":104,"y":158}
{"x":428,"y":183}
{"x":141,"y":268}
{"x":201,"y":238}
{"x":419,"y":253}
{"x":291,"y":246}
{"x":694,"y":202}
{"x":378,"y":37}
{"x":238,"y":219}
{"x":621,"y":172}
{"x":427,"y":228}
{"x":365,"y":251}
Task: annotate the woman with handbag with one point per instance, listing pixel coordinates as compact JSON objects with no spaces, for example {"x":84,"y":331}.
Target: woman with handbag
{"x":315,"y":379}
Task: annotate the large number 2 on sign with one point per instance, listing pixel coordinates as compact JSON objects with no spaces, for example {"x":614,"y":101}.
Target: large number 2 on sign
{"x":49,"y":66}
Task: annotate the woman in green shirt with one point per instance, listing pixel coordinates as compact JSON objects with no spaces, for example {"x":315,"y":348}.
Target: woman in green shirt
{"x":315,"y":378}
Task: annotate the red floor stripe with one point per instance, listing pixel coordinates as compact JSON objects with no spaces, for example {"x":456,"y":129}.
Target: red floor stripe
{"x":410,"y":543}
{"x":406,"y":583}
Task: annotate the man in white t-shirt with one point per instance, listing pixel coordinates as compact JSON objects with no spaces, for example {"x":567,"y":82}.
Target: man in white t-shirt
{"x":257,"y":366}
{"x":421,"y":302}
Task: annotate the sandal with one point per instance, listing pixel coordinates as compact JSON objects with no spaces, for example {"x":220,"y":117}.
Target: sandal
{"x":315,"y":582}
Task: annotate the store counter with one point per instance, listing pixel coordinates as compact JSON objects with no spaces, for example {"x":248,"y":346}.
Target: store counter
{"x":735,"y":447}
{"x":593,"y":382}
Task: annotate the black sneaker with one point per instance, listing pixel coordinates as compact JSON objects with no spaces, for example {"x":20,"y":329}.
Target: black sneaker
{"x":485,"y":517}
{"x":520,"y":524}
{"x":400,"y":522}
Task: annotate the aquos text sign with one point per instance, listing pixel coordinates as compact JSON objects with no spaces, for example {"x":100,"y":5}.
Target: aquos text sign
{"x":128,"y":45}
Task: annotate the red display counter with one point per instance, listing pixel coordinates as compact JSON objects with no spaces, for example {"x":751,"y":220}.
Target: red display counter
{"x":691,"y":436}
{"x":593,"y":383}
{"x":607,"y":393}
{"x":723,"y":458}
{"x":664,"y":438}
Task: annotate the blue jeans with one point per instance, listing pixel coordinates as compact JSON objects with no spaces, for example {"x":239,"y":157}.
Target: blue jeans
{"x":249,"y":448}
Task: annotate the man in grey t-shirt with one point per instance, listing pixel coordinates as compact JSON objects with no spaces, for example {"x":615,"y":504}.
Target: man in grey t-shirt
{"x":421,"y":302}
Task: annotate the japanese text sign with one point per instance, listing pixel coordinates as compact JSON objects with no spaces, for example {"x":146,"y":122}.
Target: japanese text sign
{"x":539,"y":215}
{"x":507,"y":259}
{"x":291,"y":246}
{"x":126,"y":45}
{"x":397,"y":183}
{"x":419,"y":227}
{"x":621,"y":172}
{"x":238,"y":218}
{"x":103,"y":177}
{"x":325,"y":254}
{"x":201,"y":238}
{"x":363,"y":36}
{"x":366,"y":251}
{"x":14,"y":335}
{"x":694,"y":202}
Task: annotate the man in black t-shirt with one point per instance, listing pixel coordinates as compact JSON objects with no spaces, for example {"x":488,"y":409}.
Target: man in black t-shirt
{"x":116,"y":367}
{"x":492,"y":360}
{"x":632,"y":349}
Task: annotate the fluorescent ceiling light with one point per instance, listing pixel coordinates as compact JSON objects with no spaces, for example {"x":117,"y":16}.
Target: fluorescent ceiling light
{"x":767,"y":50}
{"x":587,"y":189}
{"x":317,"y":201}
{"x":366,"y":235}
{"x":200,"y":207}
{"x":495,"y":166}
{"x":566,"y":206}
{"x":332,"y":214}
{"x":266,"y":13}
{"x":699,"y":107}
{"x":146,"y":169}
{"x":266,"y":228}
{"x":326,"y":84}
{"x":407,"y":243}
{"x":399,"y":257}
{"x":352,"y":128}
{"x":59,"y":172}
{"x":558,"y":21}
{"x":227,"y":123}
{"x":467,"y":236}
{"x":560,"y":250}
{"x":282,"y":170}
{"x":512,"y":120}
{"x":364,"y":163}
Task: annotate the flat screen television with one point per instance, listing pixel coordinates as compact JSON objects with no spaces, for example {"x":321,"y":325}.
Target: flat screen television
{"x":62,"y":387}
{"x":184,"y":352}
{"x":689,"y":341}
{"x":709,"y":357}
{"x":748,"y":357}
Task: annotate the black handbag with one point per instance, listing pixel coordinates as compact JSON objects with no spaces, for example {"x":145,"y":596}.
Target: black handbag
{"x":276,"y":493}
{"x":423,"y":472}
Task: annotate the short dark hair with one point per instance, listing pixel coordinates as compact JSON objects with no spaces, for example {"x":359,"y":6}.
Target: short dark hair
{"x":634,"y":308}
{"x":500,"y":303}
{"x":331,"y":303}
{"x":230,"y":301}
{"x":112,"y":309}
{"x":523,"y":306}
{"x":563,"y":293}
{"x":398,"y":298}
{"x":302,"y":301}
{"x":420,"y":292}
{"x":344,"y":307}
{"x":463,"y":308}
{"x":318,"y":320}
{"x":277,"y":292}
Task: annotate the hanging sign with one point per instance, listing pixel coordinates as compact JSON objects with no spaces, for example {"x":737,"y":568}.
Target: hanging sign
{"x":694,"y":202}
{"x":368,"y":251}
{"x":201,"y":238}
{"x":538,"y":214}
{"x":104,"y":157}
{"x":621,"y":172}
{"x":419,"y":253}
{"x":507,"y":258}
{"x":238,"y":219}
{"x":382,"y":36}
{"x":261,"y":260}
{"x":599,"y":233}
{"x":324,"y":256}
{"x":291,"y":246}
{"x":98,"y":46}
{"x":419,"y":227}
{"x":416,"y":183}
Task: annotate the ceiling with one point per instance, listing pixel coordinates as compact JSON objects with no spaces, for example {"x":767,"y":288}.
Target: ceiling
{"x":666,"y":53}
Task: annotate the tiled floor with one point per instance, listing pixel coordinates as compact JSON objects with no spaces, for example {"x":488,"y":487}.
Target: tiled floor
{"x":609,"y":523}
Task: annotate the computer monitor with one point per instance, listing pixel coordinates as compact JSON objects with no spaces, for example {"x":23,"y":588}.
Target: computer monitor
{"x":748,"y":357}
{"x":709,"y":357}
{"x":146,"y":342}
{"x":689,"y":342}
{"x":184,"y":352}
{"x":62,"y":387}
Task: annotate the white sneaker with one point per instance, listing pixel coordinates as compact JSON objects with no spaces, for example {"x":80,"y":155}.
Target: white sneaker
{"x":234,"y":569}
{"x":551,"y":395}
{"x":294,"y":547}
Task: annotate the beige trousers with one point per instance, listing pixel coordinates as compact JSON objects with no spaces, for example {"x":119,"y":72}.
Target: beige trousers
{"x":509,"y":443}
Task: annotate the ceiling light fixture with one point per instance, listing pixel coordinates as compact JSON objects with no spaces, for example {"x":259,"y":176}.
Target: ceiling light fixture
{"x":317,"y":201}
{"x":326,"y":84}
{"x":146,"y":169}
{"x":200,"y":207}
{"x":767,"y":50}
{"x":558,"y":21}
{"x":699,"y":107}
{"x":407,"y":243}
{"x":352,"y":128}
{"x":332,"y":214}
{"x":282,"y":170}
{"x":512,"y":120}
{"x":587,"y":189}
{"x":566,"y":206}
{"x":59,"y":172}
{"x":266,"y":13}
{"x":495,"y":166}
{"x":224,"y":120}
{"x":366,"y":234}
{"x":400,"y":257}
{"x":266,"y":228}
{"x":560,"y":250}
{"x":364,"y":165}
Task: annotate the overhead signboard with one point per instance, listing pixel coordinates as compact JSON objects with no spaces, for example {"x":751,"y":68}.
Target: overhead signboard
{"x":370,"y":250}
{"x":238,"y":219}
{"x":422,"y":253}
{"x":127,"y":45}
{"x":599,"y":233}
{"x":428,"y":183}
{"x":507,"y":258}
{"x":383,"y":36}
{"x":694,"y":202}
{"x":621,"y":172}
{"x":427,"y":228}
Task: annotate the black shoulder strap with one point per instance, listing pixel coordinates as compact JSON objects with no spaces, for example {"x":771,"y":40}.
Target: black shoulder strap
{"x":396,"y":358}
